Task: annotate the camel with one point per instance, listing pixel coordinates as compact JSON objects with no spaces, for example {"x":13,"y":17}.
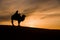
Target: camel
{"x":18,"y":18}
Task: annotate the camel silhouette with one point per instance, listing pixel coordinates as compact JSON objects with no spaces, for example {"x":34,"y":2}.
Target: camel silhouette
{"x":17,"y":17}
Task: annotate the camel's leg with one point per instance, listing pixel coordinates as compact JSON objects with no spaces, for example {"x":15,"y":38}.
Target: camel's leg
{"x":12,"y":22}
{"x":18,"y":23}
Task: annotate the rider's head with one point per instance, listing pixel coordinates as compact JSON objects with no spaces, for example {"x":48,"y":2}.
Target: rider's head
{"x":17,"y":11}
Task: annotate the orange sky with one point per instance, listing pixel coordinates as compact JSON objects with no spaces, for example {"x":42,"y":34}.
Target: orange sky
{"x":40,"y":13}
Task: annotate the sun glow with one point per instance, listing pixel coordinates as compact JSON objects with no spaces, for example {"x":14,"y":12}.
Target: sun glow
{"x":31,"y":22}
{"x":35,"y":21}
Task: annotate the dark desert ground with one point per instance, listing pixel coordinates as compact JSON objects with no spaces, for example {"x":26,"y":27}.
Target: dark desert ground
{"x":10,"y":28}
{"x":15,"y":32}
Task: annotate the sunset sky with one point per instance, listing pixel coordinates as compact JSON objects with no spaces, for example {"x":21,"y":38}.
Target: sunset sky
{"x":39,"y":13}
